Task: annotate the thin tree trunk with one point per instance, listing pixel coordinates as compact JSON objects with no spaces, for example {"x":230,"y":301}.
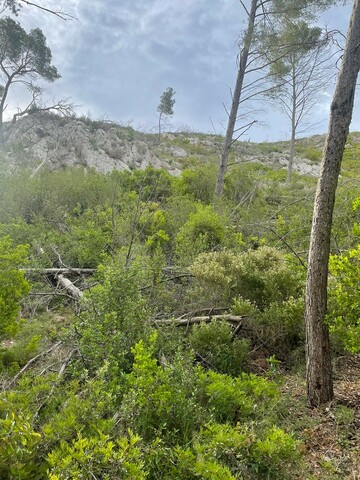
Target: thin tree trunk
{"x":293,"y":127}
{"x":236,"y":99}
{"x":318,"y":357}
{"x":2,"y":105}
{"x":291,"y":154}
{"x":160,"y":127}
{"x":1,"y":129}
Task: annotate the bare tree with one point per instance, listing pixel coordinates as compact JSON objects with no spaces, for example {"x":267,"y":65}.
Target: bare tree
{"x":252,"y":63}
{"x":318,"y":357}
{"x":242,"y":67}
{"x":63,"y":107}
{"x":300,"y":77}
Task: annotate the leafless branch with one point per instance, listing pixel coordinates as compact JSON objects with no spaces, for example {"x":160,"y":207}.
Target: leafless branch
{"x":58,"y":13}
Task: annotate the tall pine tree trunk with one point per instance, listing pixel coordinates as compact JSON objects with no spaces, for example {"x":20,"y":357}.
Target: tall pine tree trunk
{"x":318,"y":358}
{"x":236,"y":98}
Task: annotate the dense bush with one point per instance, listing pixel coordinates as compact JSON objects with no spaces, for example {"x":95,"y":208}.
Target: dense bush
{"x":260,"y":276}
{"x":115,"y":316}
{"x":13,"y":285}
{"x":204,"y":231}
{"x":344,"y":294}
{"x":216,"y":348}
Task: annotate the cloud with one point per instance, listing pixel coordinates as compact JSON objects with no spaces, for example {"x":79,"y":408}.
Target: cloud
{"x":118,"y":57}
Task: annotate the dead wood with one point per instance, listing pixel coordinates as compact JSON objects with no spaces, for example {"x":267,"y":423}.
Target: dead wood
{"x":57,"y":271}
{"x":184,"y":322}
{"x":74,"y":291}
{"x":30,"y":362}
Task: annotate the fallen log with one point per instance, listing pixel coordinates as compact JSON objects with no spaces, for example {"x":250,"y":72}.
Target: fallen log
{"x":74,"y":291}
{"x":57,"y":271}
{"x":184,"y":322}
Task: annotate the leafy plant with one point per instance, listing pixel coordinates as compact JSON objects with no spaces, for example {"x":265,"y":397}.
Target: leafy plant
{"x":217,"y":349}
{"x":344,"y":307}
{"x":13,"y":285}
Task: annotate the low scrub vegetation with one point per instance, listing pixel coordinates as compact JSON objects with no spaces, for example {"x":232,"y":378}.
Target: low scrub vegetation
{"x":182,"y":356}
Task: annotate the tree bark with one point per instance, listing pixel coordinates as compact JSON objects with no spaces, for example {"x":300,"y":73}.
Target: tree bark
{"x":236,"y":98}
{"x":293,"y":127}
{"x":318,"y":357}
{"x":75,"y":292}
{"x":159,"y":128}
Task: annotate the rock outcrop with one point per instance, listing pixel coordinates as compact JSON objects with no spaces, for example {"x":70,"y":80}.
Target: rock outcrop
{"x":45,"y":140}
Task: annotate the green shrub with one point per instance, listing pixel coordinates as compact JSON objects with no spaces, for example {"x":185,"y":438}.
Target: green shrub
{"x":233,"y":400}
{"x":260,"y":276}
{"x":344,"y":293}
{"x":216,"y":348}
{"x":312,"y":154}
{"x":204,"y":231}
{"x":18,"y":442}
{"x":98,"y":457}
{"x":281,"y":326}
{"x":13,"y":285}
{"x":161,"y":399}
{"x":199,"y":182}
{"x":115,"y":317}
{"x":248,"y":454}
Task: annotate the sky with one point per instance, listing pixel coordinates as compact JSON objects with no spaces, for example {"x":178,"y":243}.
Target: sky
{"x":118,"y":56}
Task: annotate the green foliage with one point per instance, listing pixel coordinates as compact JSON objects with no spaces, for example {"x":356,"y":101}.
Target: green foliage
{"x":238,"y":399}
{"x":13,"y":285}
{"x":161,"y":399}
{"x":216,"y":348}
{"x":115,"y":317}
{"x":312,"y":154}
{"x":199,"y":182}
{"x":260,"y":276}
{"x":151,"y":184}
{"x":249,"y":455}
{"x":204,"y":231}
{"x":282,"y":325}
{"x":98,"y":457}
{"x":261,"y":284}
{"x":344,"y":294}
{"x":167,"y":102}
{"x":90,"y":235}
{"x":18,"y":441}
{"x":25,"y":52}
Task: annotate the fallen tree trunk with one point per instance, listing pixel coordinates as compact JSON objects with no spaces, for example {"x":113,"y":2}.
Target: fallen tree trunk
{"x":56,"y":271}
{"x":74,"y":291}
{"x":184,"y":322}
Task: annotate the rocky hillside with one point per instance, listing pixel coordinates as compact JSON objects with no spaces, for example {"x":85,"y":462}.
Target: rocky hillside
{"x":46,"y":140}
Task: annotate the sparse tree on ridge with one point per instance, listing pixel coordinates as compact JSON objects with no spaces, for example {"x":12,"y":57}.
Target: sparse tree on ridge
{"x":166,"y":106}
{"x":318,"y":356}
{"x":24,"y":58}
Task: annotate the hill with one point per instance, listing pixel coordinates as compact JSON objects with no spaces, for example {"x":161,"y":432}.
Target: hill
{"x":40,"y":140}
